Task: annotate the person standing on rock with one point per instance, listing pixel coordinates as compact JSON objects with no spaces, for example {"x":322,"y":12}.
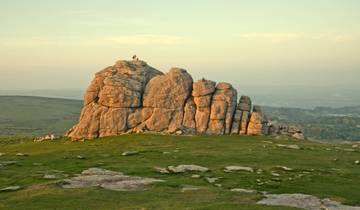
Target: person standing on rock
{"x":135,"y":58}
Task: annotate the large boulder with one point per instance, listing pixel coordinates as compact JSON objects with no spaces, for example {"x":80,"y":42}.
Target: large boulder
{"x":167,"y":95}
{"x":111,"y":97}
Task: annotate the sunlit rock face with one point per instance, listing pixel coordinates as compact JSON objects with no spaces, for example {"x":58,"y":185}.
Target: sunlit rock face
{"x":132,"y":96}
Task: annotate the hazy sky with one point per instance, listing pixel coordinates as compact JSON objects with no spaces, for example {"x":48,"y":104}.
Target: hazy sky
{"x":52,"y":44}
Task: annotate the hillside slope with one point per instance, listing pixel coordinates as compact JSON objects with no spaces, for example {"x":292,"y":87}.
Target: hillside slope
{"x":29,"y":116}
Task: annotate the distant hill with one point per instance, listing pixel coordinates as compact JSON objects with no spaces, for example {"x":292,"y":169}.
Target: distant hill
{"x":30,"y":116}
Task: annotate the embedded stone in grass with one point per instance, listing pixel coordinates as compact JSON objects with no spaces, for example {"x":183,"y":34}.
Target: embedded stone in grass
{"x":162,"y":170}
{"x":291,"y":146}
{"x":10,"y":188}
{"x":107,"y":179}
{"x":303,"y":201}
{"x":185,"y":188}
{"x":357,"y":162}
{"x":2,"y":154}
{"x":21,"y":154}
{"x":186,"y":168}
{"x":8,"y":163}
{"x":284,"y":168}
{"x":212,"y":179}
{"x":240,"y":190}
{"x":238,"y":168}
{"x":275,"y":174}
{"x":80,"y":157}
{"x":49,"y":176}
{"x":195,"y":176}
{"x":349,"y":150}
{"x":128,"y":153}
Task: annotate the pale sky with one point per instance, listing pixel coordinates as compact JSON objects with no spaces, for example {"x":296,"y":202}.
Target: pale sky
{"x":60,"y":44}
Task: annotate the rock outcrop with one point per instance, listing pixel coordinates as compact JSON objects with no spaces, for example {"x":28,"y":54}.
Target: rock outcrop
{"x":284,"y":130}
{"x":132,"y":96}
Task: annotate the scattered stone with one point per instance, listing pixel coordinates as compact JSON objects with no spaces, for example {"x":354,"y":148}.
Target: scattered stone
{"x":212,"y":180}
{"x":238,"y":168}
{"x":217,"y":185}
{"x":10,"y":188}
{"x":128,"y":153}
{"x":294,"y":146}
{"x":240,"y":190}
{"x":355,"y":146}
{"x":37,"y":164}
{"x":166,"y":153}
{"x":303,"y":201}
{"x":186,"y":168}
{"x":275,"y":174}
{"x":49,"y":176}
{"x":2,"y":154}
{"x":285,"y":168}
{"x":8,"y":162}
{"x":107,"y":179}
{"x":268,"y":142}
{"x":80,"y":157}
{"x":186,"y":188}
{"x":105,"y":155}
{"x":21,"y":154}
{"x":195,"y":176}
{"x":349,"y":150}
{"x":45,"y":138}
{"x":162,"y":170}
{"x":357,"y":162}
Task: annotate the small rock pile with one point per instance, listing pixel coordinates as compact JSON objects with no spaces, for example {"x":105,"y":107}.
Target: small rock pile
{"x":283,"y":130}
{"x":45,"y":138}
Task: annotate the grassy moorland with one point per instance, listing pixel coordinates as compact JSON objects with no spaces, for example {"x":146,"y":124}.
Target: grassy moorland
{"x":33,"y":116}
{"x":323,"y":170}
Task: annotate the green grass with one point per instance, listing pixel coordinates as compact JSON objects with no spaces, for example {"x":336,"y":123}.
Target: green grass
{"x":323,"y":177}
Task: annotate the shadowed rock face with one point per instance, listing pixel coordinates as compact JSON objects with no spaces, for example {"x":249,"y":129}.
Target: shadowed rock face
{"x":131,"y":96}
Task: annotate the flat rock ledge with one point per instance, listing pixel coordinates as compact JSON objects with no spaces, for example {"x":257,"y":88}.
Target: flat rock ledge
{"x":303,"y":201}
{"x":111,"y":180}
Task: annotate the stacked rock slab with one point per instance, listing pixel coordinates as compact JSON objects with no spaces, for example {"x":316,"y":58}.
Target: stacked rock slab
{"x":202,"y":93}
{"x":132,"y":96}
{"x":222,"y":109}
{"x":257,"y":123}
{"x":242,"y":116}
